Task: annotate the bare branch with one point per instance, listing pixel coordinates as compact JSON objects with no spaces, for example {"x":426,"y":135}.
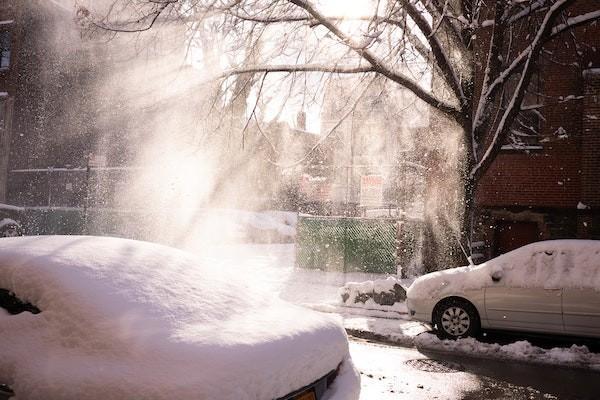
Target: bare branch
{"x":440,"y":55}
{"x":290,"y":68}
{"x":379,"y":66}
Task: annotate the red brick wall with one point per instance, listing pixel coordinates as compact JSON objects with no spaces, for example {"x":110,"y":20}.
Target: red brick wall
{"x":547,"y":179}
{"x":590,"y":143}
{"x":566,"y":171}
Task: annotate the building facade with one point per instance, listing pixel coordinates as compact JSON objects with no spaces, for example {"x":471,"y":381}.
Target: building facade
{"x":548,"y":186}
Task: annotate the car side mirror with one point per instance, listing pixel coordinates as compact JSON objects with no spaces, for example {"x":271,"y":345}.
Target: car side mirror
{"x":497,"y":276}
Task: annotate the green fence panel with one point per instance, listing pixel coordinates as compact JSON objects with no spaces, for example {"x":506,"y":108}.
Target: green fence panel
{"x":320,"y":245}
{"x":370,"y":245}
{"x":346,"y":244}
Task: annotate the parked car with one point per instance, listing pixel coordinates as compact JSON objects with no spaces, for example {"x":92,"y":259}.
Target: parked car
{"x":10,"y":220}
{"x":550,"y":287}
{"x":98,"y":318}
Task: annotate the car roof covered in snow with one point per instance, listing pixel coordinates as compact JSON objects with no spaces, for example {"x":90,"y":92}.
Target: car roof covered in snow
{"x":138,"y":320}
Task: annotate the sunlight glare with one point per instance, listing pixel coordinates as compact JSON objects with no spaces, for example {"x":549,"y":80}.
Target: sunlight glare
{"x":347,"y":9}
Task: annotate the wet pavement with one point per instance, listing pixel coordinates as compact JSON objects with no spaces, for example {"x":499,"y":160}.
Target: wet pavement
{"x":391,"y":372}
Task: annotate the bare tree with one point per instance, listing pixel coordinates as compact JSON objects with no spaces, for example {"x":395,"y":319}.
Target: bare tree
{"x":481,"y":55}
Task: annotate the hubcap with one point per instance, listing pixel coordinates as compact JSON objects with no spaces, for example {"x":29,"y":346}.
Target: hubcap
{"x":455,"y":321}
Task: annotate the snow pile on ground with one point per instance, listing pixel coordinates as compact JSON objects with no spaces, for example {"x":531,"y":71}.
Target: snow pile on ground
{"x":285,"y":221}
{"x":122,"y":319}
{"x":549,"y":264}
{"x":574,"y":356}
{"x":241,"y":225}
{"x":402,"y":331}
{"x":7,"y":221}
{"x":356,"y":311}
{"x":280,"y":221}
{"x":381,"y":294}
{"x":210,"y":227}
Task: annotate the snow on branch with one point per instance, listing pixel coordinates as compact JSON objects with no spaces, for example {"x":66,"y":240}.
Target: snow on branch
{"x":575,"y":21}
{"x":440,"y":55}
{"x":527,"y":10}
{"x":518,"y":61}
{"x":290,"y":68}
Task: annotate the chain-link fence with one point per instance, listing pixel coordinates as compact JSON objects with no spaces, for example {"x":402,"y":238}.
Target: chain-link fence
{"x":101,"y":222}
{"x":347,"y":244}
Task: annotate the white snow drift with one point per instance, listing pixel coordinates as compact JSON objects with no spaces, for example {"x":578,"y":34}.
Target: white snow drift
{"x":122,"y":319}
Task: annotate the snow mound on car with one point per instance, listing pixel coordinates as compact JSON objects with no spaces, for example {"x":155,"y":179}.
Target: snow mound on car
{"x":125,"y":319}
{"x":549,"y":264}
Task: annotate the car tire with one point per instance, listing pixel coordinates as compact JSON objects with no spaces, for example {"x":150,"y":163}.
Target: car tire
{"x":456,"y":318}
{"x":11,"y":230}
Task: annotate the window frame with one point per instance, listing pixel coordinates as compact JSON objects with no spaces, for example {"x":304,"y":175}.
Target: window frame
{"x":531,"y":105}
{"x":6,"y":33}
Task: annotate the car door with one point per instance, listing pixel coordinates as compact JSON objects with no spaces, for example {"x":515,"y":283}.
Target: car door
{"x":523,"y":293}
{"x":526,"y":309}
{"x":527,"y":295}
{"x":581,"y":312}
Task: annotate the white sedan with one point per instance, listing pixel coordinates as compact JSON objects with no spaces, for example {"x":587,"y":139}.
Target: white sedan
{"x":550,"y":287}
{"x":106,"y":318}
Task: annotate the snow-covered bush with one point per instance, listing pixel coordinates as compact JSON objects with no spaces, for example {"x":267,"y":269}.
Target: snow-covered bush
{"x":385,"y":292}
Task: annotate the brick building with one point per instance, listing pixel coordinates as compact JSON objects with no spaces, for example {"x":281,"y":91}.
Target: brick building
{"x":548,"y":187}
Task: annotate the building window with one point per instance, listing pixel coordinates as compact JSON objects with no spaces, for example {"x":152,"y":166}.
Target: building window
{"x":525,"y":131}
{"x":5,"y":47}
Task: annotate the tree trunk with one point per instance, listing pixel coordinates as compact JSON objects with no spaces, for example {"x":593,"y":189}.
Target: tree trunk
{"x":468,"y":216}
{"x":469,"y":191}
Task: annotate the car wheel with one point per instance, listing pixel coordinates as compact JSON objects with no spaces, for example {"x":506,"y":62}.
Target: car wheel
{"x":11,"y":230}
{"x":456,"y":318}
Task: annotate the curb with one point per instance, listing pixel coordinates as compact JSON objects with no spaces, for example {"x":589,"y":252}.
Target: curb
{"x":406,"y":341}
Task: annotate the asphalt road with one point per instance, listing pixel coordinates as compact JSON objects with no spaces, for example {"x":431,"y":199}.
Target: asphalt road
{"x":390,"y":372}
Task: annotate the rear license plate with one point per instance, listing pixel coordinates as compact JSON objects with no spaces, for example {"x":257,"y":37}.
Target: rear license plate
{"x":306,"y":396}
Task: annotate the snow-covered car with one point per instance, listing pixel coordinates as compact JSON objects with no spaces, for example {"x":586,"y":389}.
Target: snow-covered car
{"x":98,"y":318}
{"x":550,"y":287}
